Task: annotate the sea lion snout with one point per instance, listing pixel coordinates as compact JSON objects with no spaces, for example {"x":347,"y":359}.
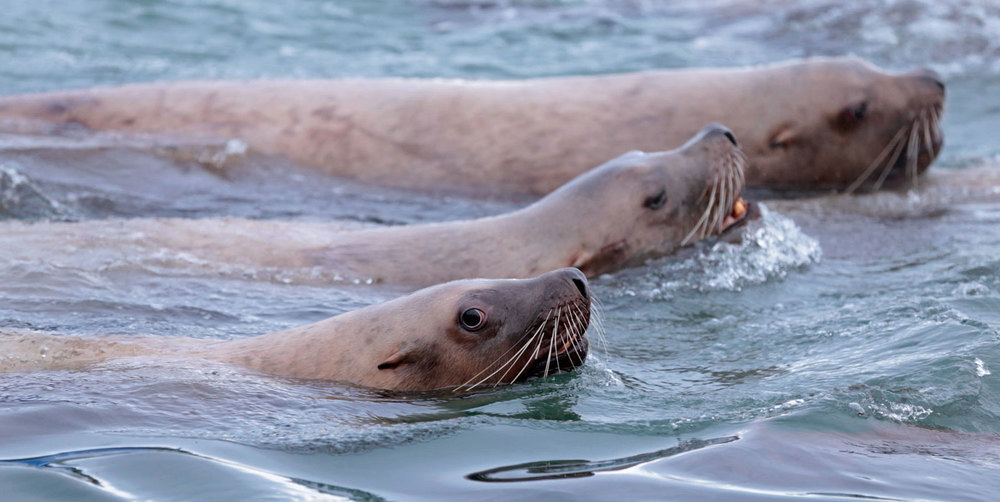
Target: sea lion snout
{"x":930,"y":76}
{"x":711,"y":131}
{"x":576,"y":277}
{"x":571,"y":276}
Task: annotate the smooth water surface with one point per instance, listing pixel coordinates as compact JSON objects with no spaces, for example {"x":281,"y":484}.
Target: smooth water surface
{"x":847,"y":347}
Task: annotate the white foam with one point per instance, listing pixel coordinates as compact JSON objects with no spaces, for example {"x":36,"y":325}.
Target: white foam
{"x":770,"y":248}
{"x":981,"y":369}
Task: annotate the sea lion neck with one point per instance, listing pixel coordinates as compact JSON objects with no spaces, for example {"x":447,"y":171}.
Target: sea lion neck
{"x":561,"y":230}
{"x":339,"y":348}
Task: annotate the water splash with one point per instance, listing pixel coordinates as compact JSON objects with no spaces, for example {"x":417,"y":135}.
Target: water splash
{"x":22,"y":198}
{"x":981,"y":369}
{"x":769,"y":248}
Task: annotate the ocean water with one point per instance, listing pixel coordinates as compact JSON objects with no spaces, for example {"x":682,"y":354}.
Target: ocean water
{"x":847,"y":347}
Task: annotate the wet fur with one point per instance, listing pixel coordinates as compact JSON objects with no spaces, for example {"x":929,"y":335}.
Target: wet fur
{"x":522,"y":136}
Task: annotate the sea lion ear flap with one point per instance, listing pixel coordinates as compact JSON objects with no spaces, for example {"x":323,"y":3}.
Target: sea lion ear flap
{"x":393,"y":361}
{"x":783,"y":137}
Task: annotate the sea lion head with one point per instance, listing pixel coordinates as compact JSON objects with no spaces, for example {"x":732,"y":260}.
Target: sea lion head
{"x":842,"y":123}
{"x":478,"y":333}
{"x":643,"y":205}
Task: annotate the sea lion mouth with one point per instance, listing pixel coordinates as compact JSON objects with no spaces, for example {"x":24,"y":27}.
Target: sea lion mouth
{"x":566,"y":345}
{"x":724,"y":206}
{"x":740,"y":214}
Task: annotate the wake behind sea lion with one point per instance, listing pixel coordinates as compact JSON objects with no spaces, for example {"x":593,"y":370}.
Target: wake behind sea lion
{"x":814,"y":124}
{"x":462,"y":335}
{"x":635,"y":207}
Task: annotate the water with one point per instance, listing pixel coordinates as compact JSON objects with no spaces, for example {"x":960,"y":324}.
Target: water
{"x":847,"y":347}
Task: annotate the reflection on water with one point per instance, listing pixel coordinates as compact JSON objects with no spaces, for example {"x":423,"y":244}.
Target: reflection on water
{"x":559,"y":469}
{"x":125,"y":463}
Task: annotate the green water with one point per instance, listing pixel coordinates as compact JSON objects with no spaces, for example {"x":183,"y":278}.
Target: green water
{"x":848,"y":347}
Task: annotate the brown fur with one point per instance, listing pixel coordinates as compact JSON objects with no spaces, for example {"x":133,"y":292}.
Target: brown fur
{"x":411,"y":343}
{"x":524,"y":136}
{"x":597,"y":222}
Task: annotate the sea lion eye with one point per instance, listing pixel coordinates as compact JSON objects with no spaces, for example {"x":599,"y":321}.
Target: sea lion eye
{"x":657,"y":201}
{"x":854,"y":114}
{"x":472,"y":319}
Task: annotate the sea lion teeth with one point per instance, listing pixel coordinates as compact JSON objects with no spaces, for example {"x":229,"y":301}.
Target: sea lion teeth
{"x":739,"y":209}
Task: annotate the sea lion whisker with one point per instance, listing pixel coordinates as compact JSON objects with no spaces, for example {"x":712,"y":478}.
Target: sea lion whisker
{"x":731,"y":195}
{"x":513,"y":360}
{"x":738,"y":177}
{"x":552,"y":344}
{"x":726,"y":206}
{"x":896,"y":152}
{"x":555,"y":342}
{"x":536,"y":333}
{"x":907,"y":151}
{"x":508,"y":362}
{"x":718,"y":209}
{"x":575,"y":344}
{"x":579,"y":341}
{"x":534,"y":356}
{"x":596,"y":321}
{"x":535,"y":353}
{"x":597,"y":316}
{"x":518,"y":355}
{"x":875,"y":163}
{"x":528,"y":362}
{"x":499,"y":369}
{"x":576,"y":335}
{"x":928,"y":137}
{"x":717,"y":213}
{"x":706,"y":216}
{"x":703,"y":219}
{"x":569,"y":334}
{"x":512,"y":347}
{"x":732,"y":181}
{"x":912,"y":152}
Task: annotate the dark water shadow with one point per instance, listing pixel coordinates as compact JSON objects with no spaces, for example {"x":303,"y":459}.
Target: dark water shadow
{"x":564,"y":469}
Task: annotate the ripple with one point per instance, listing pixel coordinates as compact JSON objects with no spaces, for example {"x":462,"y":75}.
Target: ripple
{"x":561,"y":469}
{"x":203,"y":471}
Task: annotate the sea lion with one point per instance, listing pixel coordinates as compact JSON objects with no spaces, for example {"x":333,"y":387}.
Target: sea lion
{"x":462,"y":335}
{"x":820,"y":123}
{"x":637,"y":206}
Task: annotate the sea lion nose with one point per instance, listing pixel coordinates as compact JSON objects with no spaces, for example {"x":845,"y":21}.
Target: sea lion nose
{"x":715,"y":129}
{"x":581,"y":286}
{"x":932,"y":77}
{"x":732,"y":139}
{"x":576,"y":277}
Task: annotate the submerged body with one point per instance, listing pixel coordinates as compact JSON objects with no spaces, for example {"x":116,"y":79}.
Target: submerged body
{"x":813,"y":124}
{"x":630,"y":209}
{"x":463,"y":335}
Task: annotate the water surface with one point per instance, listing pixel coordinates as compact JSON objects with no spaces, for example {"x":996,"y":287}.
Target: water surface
{"x":847,"y":348}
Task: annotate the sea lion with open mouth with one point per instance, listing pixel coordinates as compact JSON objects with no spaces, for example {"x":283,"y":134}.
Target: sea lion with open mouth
{"x":632,"y":208}
{"x":462,"y":335}
{"x":823,"y":123}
